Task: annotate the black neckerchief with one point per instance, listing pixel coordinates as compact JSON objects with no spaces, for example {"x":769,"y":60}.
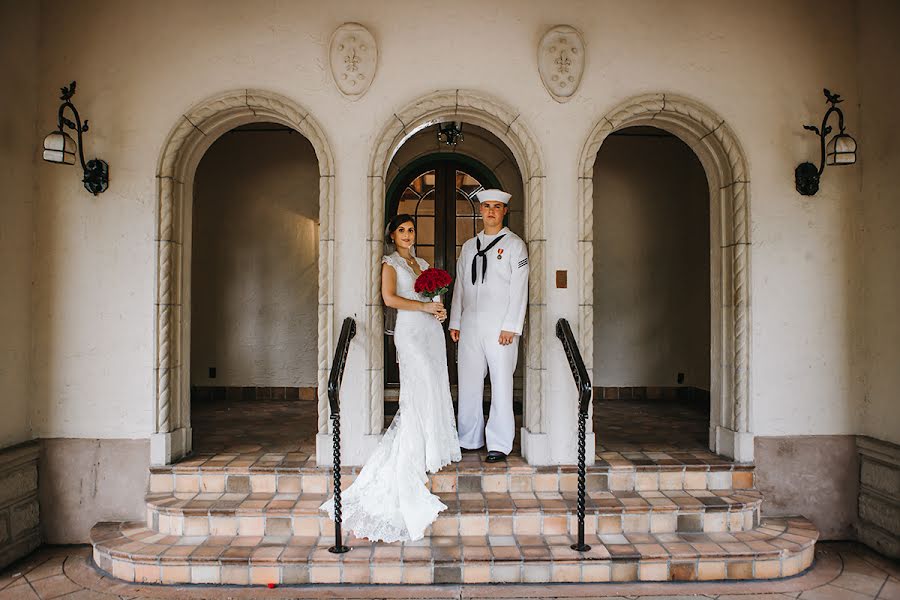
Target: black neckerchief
{"x":483,"y":255}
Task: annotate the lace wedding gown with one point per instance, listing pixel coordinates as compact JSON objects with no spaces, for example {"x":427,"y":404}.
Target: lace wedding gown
{"x":389,"y":500}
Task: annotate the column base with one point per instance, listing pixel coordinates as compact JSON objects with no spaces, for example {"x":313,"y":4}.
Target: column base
{"x":737,"y":445}
{"x":166,"y":448}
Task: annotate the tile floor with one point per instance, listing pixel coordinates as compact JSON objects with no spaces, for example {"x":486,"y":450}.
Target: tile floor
{"x":843,"y":571}
{"x":637,"y":430}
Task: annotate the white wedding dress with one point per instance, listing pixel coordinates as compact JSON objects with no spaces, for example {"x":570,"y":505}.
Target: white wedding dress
{"x":389,"y":500}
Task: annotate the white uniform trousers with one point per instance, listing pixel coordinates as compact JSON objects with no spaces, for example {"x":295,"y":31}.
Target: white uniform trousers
{"x":479,"y":354}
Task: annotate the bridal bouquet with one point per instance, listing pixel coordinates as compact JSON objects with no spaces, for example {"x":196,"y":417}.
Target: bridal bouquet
{"x":433,"y":283}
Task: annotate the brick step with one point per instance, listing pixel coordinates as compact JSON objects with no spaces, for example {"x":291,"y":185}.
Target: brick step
{"x":517,"y":513}
{"x":132,"y":552}
{"x":271,"y":473}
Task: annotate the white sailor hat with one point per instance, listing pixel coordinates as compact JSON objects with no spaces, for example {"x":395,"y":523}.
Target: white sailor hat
{"x":493,"y":196}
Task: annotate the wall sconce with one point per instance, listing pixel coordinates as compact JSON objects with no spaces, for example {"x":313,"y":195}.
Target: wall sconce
{"x":59,"y":147}
{"x":450,"y":133}
{"x":840,"y":150}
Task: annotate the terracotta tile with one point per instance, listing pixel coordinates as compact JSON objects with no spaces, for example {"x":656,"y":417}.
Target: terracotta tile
{"x":295,"y":574}
{"x":595,"y":572}
{"x":251,"y":526}
{"x":684,"y":571}
{"x":206,"y":574}
{"x":420,"y":575}
{"x":357,"y":574}
{"x":387,"y":574}
{"x":739,"y":570}
{"x":742,"y":480}
{"x":175,"y":574}
{"x":57,"y":585}
{"x":475,"y":573}
{"x":506,"y":573}
{"x":235,"y":574}
{"x":122,"y":569}
{"x":711,"y":570}
{"x":653,"y":571}
{"x":324,"y":574}
{"x":624,"y":571}
{"x":495,"y":483}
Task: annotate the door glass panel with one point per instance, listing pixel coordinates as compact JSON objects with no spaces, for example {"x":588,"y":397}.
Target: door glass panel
{"x":426,"y":252}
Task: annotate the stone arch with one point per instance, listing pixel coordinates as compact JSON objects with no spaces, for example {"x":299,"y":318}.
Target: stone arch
{"x":185,"y":145}
{"x":505,"y":123}
{"x":725,"y":164}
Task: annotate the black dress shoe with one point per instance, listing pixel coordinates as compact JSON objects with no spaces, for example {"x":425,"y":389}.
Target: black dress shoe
{"x":495,"y":456}
{"x":479,"y":449}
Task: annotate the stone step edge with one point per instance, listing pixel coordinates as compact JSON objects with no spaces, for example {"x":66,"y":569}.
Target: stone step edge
{"x":717,"y":566}
{"x":461,"y":468}
{"x":536,"y":522}
{"x":153,"y":503}
{"x":503,"y":481}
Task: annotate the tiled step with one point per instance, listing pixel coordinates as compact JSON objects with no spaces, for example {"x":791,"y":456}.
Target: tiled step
{"x":467,"y":514}
{"x":282,"y":473}
{"x":777,"y":548}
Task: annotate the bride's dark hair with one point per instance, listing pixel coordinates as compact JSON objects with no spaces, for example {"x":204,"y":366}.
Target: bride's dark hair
{"x":392,"y":226}
{"x":390,"y":314}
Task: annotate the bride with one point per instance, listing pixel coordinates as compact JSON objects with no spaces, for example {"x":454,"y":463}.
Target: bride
{"x":389,"y":500}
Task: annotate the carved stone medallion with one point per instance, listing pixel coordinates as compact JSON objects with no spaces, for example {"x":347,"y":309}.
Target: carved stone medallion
{"x":561,"y":61}
{"x":354,"y":58}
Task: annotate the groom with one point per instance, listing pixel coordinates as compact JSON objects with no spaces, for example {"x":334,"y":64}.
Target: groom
{"x":486,"y":318}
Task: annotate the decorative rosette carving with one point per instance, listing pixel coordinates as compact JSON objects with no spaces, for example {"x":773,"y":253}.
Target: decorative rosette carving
{"x":353,"y":57}
{"x":561,"y":60}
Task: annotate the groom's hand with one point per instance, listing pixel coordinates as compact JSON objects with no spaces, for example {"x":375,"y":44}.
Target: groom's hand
{"x":507,"y":338}
{"x":454,"y":335}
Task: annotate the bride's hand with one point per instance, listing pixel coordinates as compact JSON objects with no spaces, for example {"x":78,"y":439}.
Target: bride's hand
{"x":437,"y":309}
{"x":434,"y":308}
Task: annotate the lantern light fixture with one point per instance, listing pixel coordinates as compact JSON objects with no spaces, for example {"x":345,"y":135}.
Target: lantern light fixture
{"x":839,"y":150}
{"x":450,"y":133}
{"x":59,"y":147}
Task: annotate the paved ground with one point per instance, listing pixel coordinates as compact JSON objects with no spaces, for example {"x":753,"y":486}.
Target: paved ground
{"x":843,"y":571}
{"x":254,"y":427}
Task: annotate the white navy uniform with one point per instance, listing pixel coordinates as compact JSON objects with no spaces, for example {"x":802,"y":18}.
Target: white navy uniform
{"x":494,"y":300}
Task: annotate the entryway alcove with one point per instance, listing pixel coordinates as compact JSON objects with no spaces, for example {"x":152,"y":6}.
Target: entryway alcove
{"x":254,"y":292}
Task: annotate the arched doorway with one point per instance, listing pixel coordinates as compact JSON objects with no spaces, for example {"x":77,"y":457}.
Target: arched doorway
{"x":651,"y":295}
{"x":725,"y":166}
{"x":254,"y":293}
{"x":494,"y":116}
{"x":192,"y":135}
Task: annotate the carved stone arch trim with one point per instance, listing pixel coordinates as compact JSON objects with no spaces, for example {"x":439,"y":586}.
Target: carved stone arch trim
{"x":192,"y":135}
{"x":725,"y":164}
{"x":504,"y":122}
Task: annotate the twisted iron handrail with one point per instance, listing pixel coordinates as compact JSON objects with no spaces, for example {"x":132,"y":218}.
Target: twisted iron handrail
{"x":348,"y":331}
{"x":583,"y":383}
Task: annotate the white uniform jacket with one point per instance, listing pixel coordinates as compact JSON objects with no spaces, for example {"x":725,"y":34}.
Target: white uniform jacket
{"x":497,"y":301}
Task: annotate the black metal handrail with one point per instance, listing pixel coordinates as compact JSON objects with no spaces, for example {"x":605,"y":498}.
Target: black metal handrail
{"x":583,"y":383}
{"x":348,"y":330}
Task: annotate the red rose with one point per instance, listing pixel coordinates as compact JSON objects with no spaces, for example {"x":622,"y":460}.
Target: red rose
{"x":433,"y":282}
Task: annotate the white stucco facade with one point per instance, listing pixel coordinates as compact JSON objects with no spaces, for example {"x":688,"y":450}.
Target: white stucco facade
{"x":94,"y":349}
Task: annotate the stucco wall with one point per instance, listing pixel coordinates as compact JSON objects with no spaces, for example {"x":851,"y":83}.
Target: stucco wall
{"x":19,"y":148}
{"x":760,"y":65}
{"x":254,"y":273}
{"x":651,"y":263}
{"x":879,"y":162}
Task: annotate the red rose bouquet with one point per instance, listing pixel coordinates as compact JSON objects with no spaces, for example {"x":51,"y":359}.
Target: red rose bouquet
{"x":433,"y":282}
